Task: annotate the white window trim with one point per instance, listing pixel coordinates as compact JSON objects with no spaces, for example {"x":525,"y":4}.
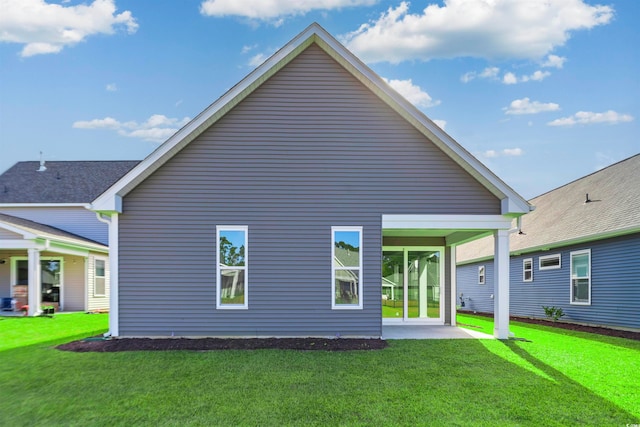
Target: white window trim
{"x":482,"y":275}
{"x":581,"y":252}
{"x":335,"y":306}
{"x":553,"y":267}
{"x":219,"y":305}
{"x":524,"y":261}
{"x":95,"y":276}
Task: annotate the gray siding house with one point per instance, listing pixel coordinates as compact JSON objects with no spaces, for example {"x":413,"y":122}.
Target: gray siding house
{"x":53,"y":250}
{"x":579,"y":251}
{"x":274,"y":212}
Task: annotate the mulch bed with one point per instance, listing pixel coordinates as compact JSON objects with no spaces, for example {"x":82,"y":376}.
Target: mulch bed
{"x":97,"y":344}
{"x":631,"y":335}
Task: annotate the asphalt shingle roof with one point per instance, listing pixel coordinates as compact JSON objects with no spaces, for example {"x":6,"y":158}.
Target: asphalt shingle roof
{"x":563,"y":215}
{"x":61,"y":182}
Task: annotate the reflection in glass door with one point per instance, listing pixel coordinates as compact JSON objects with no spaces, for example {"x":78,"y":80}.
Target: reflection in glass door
{"x":411,"y":283}
{"x":424,"y":284}
{"x":393,"y":284}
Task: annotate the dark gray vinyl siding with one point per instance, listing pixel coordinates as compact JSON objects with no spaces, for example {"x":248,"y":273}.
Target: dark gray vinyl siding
{"x":615,"y":285}
{"x":310,"y":149}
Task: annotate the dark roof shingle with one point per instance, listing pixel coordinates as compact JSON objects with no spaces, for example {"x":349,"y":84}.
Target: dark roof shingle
{"x":61,"y":182}
{"x":563,"y":215}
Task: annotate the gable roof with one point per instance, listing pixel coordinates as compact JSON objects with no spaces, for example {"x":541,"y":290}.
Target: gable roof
{"x":67,"y":182}
{"x":34,"y":230}
{"x":564,"y":216}
{"x":111,"y":200}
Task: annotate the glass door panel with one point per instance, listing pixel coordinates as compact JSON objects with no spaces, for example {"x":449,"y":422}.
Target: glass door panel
{"x":423,"y":284}
{"x":393,"y":284}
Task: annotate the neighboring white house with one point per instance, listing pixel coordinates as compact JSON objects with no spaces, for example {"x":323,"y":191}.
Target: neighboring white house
{"x":53,"y":250}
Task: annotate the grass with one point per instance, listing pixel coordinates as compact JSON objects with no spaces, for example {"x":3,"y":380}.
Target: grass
{"x":559,"y":378}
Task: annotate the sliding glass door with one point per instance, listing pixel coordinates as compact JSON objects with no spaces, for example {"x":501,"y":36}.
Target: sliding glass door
{"x":412,"y":280}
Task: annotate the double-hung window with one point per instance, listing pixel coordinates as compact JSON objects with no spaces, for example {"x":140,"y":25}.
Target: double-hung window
{"x":581,"y":277}
{"x":527,"y":270}
{"x":346,"y":271}
{"x":99,"y":278}
{"x":481,"y":275}
{"x":231,"y":269}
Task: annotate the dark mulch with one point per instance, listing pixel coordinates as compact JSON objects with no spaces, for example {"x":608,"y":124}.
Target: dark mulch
{"x":631,"y":335}
{"x":97,"y":344}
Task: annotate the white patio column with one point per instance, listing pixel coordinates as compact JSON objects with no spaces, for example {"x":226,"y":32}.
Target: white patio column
{"x":501,"y":285}
{"x":34,"y":288}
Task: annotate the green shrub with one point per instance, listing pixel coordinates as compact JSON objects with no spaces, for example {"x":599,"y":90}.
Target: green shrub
{"x":553,"y":313}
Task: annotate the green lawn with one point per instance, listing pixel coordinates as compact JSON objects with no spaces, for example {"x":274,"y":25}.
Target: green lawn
{"x":558,"y":378}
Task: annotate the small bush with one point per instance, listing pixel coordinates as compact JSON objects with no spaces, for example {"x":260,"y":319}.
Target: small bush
{"x":553,"y":313}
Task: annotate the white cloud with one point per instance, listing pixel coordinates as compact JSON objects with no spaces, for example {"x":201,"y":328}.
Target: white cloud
{"x":106,"y":123}
{"x":587,"y":118}
{"x":247,"y":48}
{"x":514,"y":152}
{"x":273,"y":10}
{"x":474,"y":28}
{"x":257,"y":59}
{"x":156,"y":128}
{"x":507,"y":152}
{"x":48,"y":28}
{"x":488,"y":73}
{"x":111,"y":87}
{"x":511,"y":79}
{"x":554,"y":61}
{"x":441,"y":123}
{"x":412,"y":93}
{"x":537,"y":76}
{"x":525,"y":106}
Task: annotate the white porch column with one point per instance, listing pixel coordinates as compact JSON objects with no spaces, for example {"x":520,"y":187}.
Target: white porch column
{"x":114,"y":277}
{"x":501,"y":285}
{"x":34,"y":288}
{"x":454,"y":287}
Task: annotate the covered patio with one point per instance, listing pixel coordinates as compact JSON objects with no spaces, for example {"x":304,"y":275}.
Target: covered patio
{"x":443,"y":233}
{"x":42,"y":265}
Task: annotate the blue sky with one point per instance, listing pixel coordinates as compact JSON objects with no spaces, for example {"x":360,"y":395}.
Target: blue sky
{"x":542,"y":92}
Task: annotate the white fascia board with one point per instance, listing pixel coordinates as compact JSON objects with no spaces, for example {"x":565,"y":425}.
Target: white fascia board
{"x":78,"y":246}
{"x":453,"y":222}
{"x":18,"y":244}
{"x":18,"y":230}
{"x":67,"y":250}
{"x":107,"y":205}
{"x":43,"y":205}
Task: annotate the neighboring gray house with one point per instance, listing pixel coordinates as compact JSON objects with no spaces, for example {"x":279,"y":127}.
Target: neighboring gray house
{"x":53,"y":250}
{"x":580,"y":251}
{"x":269,"y":213}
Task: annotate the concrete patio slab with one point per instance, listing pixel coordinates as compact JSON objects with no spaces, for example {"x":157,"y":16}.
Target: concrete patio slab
{"x":426,"y":332}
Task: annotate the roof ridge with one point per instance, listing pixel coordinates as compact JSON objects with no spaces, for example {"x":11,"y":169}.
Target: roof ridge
{"x":584,"y":176}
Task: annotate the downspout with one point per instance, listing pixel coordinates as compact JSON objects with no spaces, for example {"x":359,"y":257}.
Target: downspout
{"x":109,"y":224}
{"x":518,"y":227}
